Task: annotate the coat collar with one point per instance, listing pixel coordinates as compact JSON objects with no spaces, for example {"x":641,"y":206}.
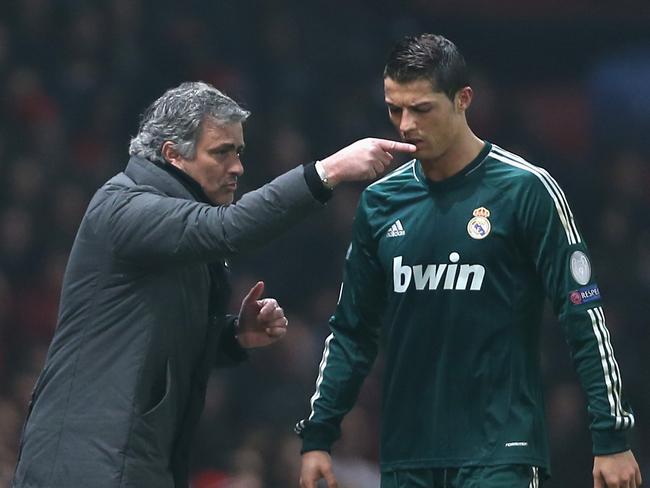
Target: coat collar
{"x":166,"y":178}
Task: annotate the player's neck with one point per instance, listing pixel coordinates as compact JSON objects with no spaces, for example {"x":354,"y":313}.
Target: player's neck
{"x":458,"y":155}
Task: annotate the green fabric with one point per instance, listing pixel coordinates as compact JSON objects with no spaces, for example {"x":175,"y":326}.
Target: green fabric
{"x":458,"y":296}
{"x":502,"y":476}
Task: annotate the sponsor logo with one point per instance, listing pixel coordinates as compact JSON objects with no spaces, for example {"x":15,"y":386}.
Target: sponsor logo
{"x":479,"y":226}
{"x":396,"y":230}
{"x":580,"y":267}
{"x":585,"y":295}
{"x":517,"y":444}
{"x":445,"y":276}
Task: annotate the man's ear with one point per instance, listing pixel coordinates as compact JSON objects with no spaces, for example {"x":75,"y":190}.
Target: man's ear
{"x":171,"y":155}
{"x":463,"y":98}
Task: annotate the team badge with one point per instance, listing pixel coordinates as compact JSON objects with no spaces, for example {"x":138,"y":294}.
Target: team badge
{"x":479,"y":226}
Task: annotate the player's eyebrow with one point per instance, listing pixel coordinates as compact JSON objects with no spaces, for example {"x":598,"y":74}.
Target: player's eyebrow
{"x":419,"y":105}
{"x":422,"y":106}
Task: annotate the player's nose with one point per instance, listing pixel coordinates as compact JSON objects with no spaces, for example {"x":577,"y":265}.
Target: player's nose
{"x":406,"y":123}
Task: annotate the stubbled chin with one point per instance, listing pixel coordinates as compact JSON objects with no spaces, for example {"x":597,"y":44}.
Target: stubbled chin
{"x":221,"y":198}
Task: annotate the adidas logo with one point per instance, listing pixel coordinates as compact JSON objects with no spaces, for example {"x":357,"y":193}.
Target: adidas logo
{"x":396,"y":230}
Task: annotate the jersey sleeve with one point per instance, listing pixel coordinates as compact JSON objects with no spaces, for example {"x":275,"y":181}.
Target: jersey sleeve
{"x":351,"y":348}
{"x":562,"y":261}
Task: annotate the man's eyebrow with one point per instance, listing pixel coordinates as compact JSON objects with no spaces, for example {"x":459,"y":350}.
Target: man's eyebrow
{"x":226,"y":146}
{"x":422,"y":105}
{"x":415,"y":105}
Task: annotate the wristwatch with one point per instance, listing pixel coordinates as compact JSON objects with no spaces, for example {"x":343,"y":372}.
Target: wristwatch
{"x":323,"y":175}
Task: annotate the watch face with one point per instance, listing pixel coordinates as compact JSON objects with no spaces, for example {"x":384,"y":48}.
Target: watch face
{"x":580,"y":267}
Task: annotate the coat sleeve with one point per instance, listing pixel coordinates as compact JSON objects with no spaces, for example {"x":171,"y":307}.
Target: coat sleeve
{"x":351,"y":348}
{"x":149,"y":227}
{"x":562,"y":260}
{"x":228,"y":351}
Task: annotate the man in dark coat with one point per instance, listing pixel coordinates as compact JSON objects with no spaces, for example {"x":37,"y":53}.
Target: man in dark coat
{"x":142,"y":317}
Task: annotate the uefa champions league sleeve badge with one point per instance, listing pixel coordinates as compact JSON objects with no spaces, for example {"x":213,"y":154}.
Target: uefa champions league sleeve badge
{"x":479,"y":226}
{"x":580,"y":267}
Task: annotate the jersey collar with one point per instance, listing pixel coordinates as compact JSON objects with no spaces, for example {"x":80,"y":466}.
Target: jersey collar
{"x":459,"y":178}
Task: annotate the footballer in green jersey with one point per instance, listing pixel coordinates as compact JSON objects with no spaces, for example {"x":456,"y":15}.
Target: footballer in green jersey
{"x":453,"y":254}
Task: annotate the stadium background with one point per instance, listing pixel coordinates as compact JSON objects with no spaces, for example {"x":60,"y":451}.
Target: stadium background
{"x":565,"y":83}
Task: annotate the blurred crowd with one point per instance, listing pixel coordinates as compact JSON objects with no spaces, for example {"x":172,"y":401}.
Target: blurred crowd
{"x":569,"y":90}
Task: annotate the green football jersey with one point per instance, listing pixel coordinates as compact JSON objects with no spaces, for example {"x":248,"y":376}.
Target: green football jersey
{"x":456,"y":272}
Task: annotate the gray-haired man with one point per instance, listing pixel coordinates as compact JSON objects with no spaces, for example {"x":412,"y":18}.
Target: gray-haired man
{"x":143,"y":306}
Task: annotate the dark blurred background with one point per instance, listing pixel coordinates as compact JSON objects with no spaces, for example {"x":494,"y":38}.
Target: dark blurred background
{"x":565,"y":83}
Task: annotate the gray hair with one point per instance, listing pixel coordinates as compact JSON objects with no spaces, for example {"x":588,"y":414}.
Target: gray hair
{"x":178,"y":116}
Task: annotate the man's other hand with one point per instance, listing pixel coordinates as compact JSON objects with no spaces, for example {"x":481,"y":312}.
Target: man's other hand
{"x":261,"y":320}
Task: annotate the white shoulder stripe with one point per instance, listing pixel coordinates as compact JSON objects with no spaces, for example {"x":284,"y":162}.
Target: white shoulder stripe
{"x":561,"y":213}
{"x":321,"y":370}
{"x":550,"y":179}
{"x":400,"y":170}
{"x":561,"y":205}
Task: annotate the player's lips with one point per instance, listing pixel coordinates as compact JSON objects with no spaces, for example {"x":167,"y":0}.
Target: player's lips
{"x":411,"y":139}
{"x":415,"y":142}
{"x":231,"y":186}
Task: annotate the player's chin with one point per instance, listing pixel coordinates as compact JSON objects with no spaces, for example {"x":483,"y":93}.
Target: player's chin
{"x":429,"y":153}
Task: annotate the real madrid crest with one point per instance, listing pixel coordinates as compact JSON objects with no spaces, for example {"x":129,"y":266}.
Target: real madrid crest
{"x":479,"y":226}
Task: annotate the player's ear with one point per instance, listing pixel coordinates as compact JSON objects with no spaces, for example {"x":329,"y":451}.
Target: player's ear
{"x":463,"y":99}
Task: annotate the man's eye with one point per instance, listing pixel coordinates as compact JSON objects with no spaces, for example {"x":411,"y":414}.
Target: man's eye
{"x":394,"y":110}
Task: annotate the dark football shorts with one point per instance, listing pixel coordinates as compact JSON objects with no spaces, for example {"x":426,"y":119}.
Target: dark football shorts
{"x":502,"y":476}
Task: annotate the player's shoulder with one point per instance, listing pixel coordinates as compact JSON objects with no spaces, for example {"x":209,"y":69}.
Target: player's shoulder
{"x":526,"y":181}
{"x":512,"y":164}
{"x":517,"y":170}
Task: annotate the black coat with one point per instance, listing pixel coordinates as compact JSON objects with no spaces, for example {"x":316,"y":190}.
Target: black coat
{"x":141,"y":323}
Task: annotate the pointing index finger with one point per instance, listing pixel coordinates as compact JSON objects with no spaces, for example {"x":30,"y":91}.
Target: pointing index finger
{"x":388,"y":145}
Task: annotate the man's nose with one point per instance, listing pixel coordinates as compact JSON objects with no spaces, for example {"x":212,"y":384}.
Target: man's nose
{"x":407,"y":122}
{"x":237,"y":167}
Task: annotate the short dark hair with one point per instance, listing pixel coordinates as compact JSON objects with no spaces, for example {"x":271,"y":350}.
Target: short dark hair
{"x":431,"y":57}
